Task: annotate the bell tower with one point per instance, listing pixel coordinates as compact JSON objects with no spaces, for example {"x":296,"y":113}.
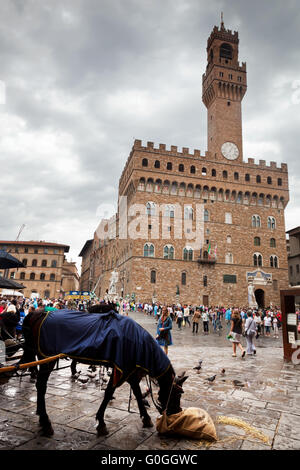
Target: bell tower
{"x":223,"y":87}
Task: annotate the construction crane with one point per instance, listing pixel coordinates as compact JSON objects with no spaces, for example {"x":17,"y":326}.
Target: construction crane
{"x":20,"y":231}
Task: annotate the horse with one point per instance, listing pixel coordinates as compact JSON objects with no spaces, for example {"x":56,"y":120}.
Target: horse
{"x":44,"y":330}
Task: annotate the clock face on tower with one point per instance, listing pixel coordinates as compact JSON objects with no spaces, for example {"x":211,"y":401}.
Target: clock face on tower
{"x":230,"y":151}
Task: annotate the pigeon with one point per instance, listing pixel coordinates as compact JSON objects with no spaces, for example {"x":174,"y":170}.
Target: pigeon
{"x":223,"y":371}
{"x":109,"y":373}
{"x":199,"y":366}
{"x":211,"y":379}
{"x":90,"y":375}
{"x":83,"y":381}
{"x":76,"y":375}
{"x":92,"y":368}
{"x":237,"y":383}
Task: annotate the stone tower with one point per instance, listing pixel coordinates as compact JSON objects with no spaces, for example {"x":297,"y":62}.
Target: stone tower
{"x":224,"y":85}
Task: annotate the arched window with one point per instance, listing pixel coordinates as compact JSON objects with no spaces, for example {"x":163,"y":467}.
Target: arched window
{"x":269,"y":180}
{"x":188,"y":254}
{"x":150,"y":207}
{"x":226,"y":51}
{"x":228,"y":239}
{"x":42,"y":276}
{"x":53,"y":264}
{"x":193,"y":169}
{"x":228,"y":258}
{"x":168,"y":252}
{"x":236,"y":176}
{"x":204,"y":172}
{"x":34,"y":262}
{"x":52,"y":277}
{"x":213,"y":172}
{"x":157,"y":164}
{"x":247,"y":177}
{"x":144,"y":162}
{"x":149,"y":250}
{"x":22,"y":276}
{"x":273,"y":261}
{"x":24,"y":261}
{"x":188,"y":213}
{"x":205,"y":281}
{"x":272,"y":242}
{"x":153,"y":277}
{"x":225,"y":174}
{"x":169,"y":211}
{"x":271,"y":223}
{"x":44,"y":263}
{"x":32,"y":276}
{"x":141,"y":186}
{"x":256,"y":221}
{"x":258,"y":179}
{"x":206,"y":215}
{"x":279,"y":182}
{"x":181,"y":167}
{"x":183,"y":278}
{"x":169,"y":166}
{"x":256,"y":241}
{"x":257,"y":259}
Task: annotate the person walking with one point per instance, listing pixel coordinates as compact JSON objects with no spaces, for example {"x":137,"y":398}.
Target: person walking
{"x":196,"y":320}
{"x":164,"y":327}
{"x":228,"y":318}
{"x":205,"y":320}
{"x":275,"y":326}
{"x":250,"y":332}
{"x":186,"y":314}
{"x":268,"y":324}
{"x":179,"y":316}
{"x":258,"y":321}
{"x":236,"y":332}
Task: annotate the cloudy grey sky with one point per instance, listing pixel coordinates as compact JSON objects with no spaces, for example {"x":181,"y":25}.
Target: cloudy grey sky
{"x":84,"y":78}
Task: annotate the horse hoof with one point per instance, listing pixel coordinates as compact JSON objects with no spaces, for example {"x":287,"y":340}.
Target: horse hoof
{"x":102,"y":430}
{"x":47,"y":431}
{"x":147,"y":423}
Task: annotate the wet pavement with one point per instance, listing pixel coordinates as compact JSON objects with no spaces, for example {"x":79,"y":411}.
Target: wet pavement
{"x":267,"y":397}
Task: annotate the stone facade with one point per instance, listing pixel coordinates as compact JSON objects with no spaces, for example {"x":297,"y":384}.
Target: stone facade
{"x":44,"y":266}
{"x":243,"y":208}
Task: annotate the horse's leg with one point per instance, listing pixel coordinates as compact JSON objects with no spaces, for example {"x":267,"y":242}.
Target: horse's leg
{"x":109,"y":391}
{"x":41,"y":386}
{"x":73,"y":367}
{"x":135,"y":385}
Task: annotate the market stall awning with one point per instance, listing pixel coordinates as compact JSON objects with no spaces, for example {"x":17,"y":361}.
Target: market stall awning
{"x":7,"y":261}
{"x":10,"y":284}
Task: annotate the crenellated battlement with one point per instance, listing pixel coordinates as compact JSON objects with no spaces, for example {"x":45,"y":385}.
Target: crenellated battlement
{"x":263,"y":164}
{"x":224,"y":35}
{"x":185,"y":151}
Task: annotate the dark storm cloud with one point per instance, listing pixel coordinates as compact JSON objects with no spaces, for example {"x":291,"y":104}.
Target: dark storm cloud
{"x":84,"y":78}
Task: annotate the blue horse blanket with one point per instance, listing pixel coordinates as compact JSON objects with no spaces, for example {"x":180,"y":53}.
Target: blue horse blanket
{"x":110,"y":339}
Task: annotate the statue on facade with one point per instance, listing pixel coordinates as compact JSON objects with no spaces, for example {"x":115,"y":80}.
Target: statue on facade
{"x":251,"y":296}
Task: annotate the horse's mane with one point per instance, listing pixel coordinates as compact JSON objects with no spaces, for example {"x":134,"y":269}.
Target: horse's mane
{"x":103,"y":308}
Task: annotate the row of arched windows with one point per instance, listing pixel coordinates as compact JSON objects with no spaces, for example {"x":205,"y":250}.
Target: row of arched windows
{"x":256,"y":222}
{"x":204,"y":172}
{"x":43,"y":264}
{"x":188,"y":254}
{"x":205,"y":192}
{"x":33,"y":276}
{"x":272,"y":242}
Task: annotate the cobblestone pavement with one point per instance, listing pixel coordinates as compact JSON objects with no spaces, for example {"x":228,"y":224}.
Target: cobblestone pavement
{"x":269,"y":400}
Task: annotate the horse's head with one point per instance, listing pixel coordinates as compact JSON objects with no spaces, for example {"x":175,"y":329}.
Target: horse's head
{"x":170,"y":392}
{"x":102,"y":308}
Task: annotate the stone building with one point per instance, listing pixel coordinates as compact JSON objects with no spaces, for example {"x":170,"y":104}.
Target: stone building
{"x":69,"y":276}
{"x":294,"y":256}
{"x":44,"y":266}
{"x":242,"y":259}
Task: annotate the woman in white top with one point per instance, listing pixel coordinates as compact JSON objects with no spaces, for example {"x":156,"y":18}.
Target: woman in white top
{"x":258,"y":320}
{"x":250,"y":332}
{"x":275,"y":326}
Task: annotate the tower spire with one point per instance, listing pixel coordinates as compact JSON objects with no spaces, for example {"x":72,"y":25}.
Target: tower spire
{"x":222,"y":21}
